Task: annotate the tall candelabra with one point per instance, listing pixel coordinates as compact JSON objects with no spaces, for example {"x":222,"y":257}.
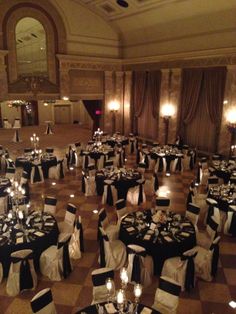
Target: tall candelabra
{"x":34,"y":141}
{"x":98,"y":136}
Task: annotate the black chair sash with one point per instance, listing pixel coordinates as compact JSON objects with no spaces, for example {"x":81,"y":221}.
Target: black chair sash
{"x":210,"y":213}
{"x":71,"y":209}
{"x":162,"y":202}
{"x":81,"y":238}
{"x":100,"y":279}
{"x":136,"y":267}
{"x":83,"y":184}
{"x":199,"y":168}
{"x":51,"y":201}
{"x":109,"y":199}
{"x":120,"y":204}
{"x":215,"y":258}
{"x":190,"y":197}
{"x":161,"y":165}
{"x":65,"y":257}
{"x":41,"y":302}
{"x":17,"y":136}
{"x":61,"y":172}
{"x":156,"y":182}
{"x":26,"y":280}
{"x":102,"y":250}
{"x":36,"y":177}
{"x":140,"y":194}
{"x":169,"y":287}
{"x":86,"y":161}
{"x":146,"y":161}
{"x":131,"y":146}
{"x":232,"y":228}
{"x":212,"y":224}
{"x":11,"y":170}
{"x":193,"y":209}
{"x":72,"y":157}
{"x":190,"y":271}
{"x":102,"y":216}
{"x":179,"y":163}
{"x":138,"y":157}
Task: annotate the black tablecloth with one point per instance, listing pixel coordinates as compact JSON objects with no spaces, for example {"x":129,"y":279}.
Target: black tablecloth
{"x":46,"y":164}
{"x":122,"y":184}
{"x":36,"y":243}
{"x":92,"y":309}
{"x":158,"y":247}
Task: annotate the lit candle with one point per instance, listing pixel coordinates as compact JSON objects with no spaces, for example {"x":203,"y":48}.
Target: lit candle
{"x":20,"y":215}
{"x":137,"y":290}
{"x":124,"y":275}
{"x":120,"y":296}
{"x":109,"y":284}
{"x":9,"y":215}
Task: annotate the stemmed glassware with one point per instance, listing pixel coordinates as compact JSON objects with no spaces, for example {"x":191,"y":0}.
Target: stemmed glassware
{"x":110,"y":288}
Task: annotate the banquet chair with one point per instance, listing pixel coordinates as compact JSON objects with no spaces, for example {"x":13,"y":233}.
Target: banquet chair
{"x":101,"y":162}
{"x":205,"y":238}
{"x":151,"y":186}
{"x":230,"y":223}
{"x":67,"y":226}
{"x":16,"y":123}
{"x":181,"y":269}
{"x":166,"y":299}
{"x":109,"y":164}
{"x":177,"y":163}
{"x":140,"y":265}
{"x":121,"y":209}
{"x":49,"y":150}
{"x":162,"y":203}
{"x":86,"y":159}
{"x":111,"y":230}
{"x":42,"y":302}
{"x":119,"y":159}
{"x":110,"y":193}
{"x":55,"y":261}
{"x":132,"y":144}
{"x":88,"y":185}
{"x":136,"y":195}
{"x":6,"y":124}
{"x":1,"y":272}
{"x":21,"y":275}
{"x":192,"y":213}
{"x":36,"y":175}
{"x":99,"y":277}
{"x":91,"y":170}
{"x":204,"y":163}
{"x":50,"y":204}
{"x":71,"y":156}
{"x":57,"y":172}
{"x":76,"y":245}
{"x":112,"y":253}
{"x":10,"y":173}
{"x":206,"y":261}
{"x":213,"y":210}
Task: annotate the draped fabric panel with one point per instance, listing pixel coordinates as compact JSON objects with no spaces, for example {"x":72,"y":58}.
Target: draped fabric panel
{"x":139,"y":92}
{"x":92,"y":106}
{"x":201,"y":106}
{"x":191,"y":87}
{"x":146,"y":101}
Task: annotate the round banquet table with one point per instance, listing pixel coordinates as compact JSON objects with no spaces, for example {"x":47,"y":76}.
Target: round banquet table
{"x":46,"y":161}
{"x":101,"y":308}
{"x":224,"y":194}
{"x":123,"y":180}
{"x":167,"y":239}
{"x":39,"y":232}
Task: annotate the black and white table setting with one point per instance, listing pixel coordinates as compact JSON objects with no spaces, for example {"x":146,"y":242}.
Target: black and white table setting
{"x":123,"y":179}
{"x":223,"y":169}
{"x":19,"y":230}
{"x":224,"y":194}
{"x":162,"y":234}
{"x":94,"y":152}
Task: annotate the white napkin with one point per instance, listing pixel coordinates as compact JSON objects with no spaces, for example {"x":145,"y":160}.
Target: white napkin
{"x":168,"y":239}
{"x":130,"y":229}
{"x":110,"y":308}
{"x":19,"y":240}
{"x":49,"y":224}
{"x":147,"y":237}
{"x":39,"y":233}
{"x":146,"y":310}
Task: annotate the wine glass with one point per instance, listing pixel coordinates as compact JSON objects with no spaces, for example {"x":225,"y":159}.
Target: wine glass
{"x":110,"y":288}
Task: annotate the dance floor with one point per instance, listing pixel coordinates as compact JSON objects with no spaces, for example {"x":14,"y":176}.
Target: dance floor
{"x":76,"y":291}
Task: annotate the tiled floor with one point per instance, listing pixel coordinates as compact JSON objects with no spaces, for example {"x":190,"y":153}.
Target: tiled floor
{"x":76,"y":291}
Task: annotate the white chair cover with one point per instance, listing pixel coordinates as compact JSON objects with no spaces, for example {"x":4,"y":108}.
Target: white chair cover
{"x":17,"y":123}
{"x":76,"y":245}
{"x":112,"y":254}
{"x":57,"y":172}
{"x":10,"y":173}
{"x":181,"y":269}
{"x":111,"y":230}
{"x":21,"y":275}
{"x":140,"y":265}
{"x":136,"y":195}
{"x":206,"y":237}
{"x":55,"y":261}
{"x":90,"y":185}
{"x":1,"y":272}
{"x":6,"y":124}
{"x":42,"y":302}
{"x":50,"y":204}
{"x":67,"y":226}
{"x":229,"y":226}
{"x":192,"y":213}
{"x":121,"y":209}
{"x":166,"y":299}
{"x":101,"y":162}
{"x":132,"y":144}
{"x":99,"y":277}
{"x":206,"y":261}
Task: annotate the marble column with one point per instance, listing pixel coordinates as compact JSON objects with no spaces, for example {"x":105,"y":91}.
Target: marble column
{"x":229,"y":102}
{"x":64,"y":80}
{"x":127,"y":102}
{"x":119,"y":96}
{"x":109,"y":96}
{"x":3,"y":75}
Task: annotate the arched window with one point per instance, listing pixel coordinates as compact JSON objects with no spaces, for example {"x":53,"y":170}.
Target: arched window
{"x":31,"y":48}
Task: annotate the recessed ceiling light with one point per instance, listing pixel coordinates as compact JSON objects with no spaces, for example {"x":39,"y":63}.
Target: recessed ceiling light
{"x":95,"y":211}
{"x":71,"y":168}
{"x":122,"y":3}
{"x":53,"y":183}
{"x":72,"y":195}
{"x":225,"y":102}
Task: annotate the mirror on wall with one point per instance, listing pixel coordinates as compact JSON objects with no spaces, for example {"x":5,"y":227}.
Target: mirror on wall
{"x":31,"y":48}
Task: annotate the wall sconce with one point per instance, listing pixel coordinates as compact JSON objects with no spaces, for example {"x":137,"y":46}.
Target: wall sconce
{"x":114,"y":106}
{"x":231,"y":125}
{"x":167,"y":112}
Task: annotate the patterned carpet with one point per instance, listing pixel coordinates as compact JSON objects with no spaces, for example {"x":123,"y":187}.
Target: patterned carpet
{"x":76,"y":291}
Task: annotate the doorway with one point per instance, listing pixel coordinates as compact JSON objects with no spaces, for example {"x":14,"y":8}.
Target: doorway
{"x":29,"y":113}
{"x":62,"y":114}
